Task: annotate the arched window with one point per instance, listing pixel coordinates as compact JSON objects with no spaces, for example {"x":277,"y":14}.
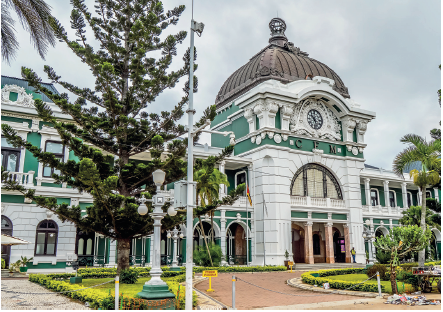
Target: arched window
{"x":316,"y":243}
{"x":315,"y":181}
{"x":392,"y":200}
{"x":374,"y":197}
{"x":409,"y":197}
{"x":428,"y":194}
{"x":46,"y":238}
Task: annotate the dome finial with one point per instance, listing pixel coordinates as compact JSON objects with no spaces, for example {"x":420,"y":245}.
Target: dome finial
{"x":277,"y":27}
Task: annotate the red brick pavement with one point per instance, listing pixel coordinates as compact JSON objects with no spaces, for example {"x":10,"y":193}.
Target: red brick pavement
{"x":249,"y":297}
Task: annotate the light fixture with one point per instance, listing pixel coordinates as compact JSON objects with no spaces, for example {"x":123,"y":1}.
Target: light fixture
{"x":232,"y":139}
{"x":364,"y":235}
{"x":181,"y":235}
{"x":171,"y":211}
{"x":142,"y":209}
{"x":368,"y":222}
{"x":169,"y":235}
{"x":159,"y":177}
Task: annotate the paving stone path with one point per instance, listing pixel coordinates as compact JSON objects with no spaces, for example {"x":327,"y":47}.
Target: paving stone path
{"x":251,"y":297}
{"x":49,"y":301}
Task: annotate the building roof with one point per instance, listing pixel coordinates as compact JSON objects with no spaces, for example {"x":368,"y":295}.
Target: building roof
{"x":371,"y":167}
{"x":279,"y":60}
{"x":24,"y":84}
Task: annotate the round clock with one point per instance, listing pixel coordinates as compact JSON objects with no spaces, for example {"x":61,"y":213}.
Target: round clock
{"x":314,"y":119}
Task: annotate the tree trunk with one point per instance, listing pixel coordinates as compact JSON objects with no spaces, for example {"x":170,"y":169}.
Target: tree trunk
{"x":393,"y":275}
{"x":422,"y":253}
{"x":212,"y":227}
{"x":123,"y":249}
{"x":204,"y":238}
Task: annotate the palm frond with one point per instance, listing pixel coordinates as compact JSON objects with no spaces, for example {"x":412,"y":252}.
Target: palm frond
{"x":34,"y":15}
{"x":404,"y":160}
{"x":414,"y":139}
{"x":9,"y":41}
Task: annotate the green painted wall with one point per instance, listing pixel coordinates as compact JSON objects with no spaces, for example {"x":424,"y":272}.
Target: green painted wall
{"x":15,"y":119}
{"x":398,"y":195}
{"x":31,"y":163}
{"x":305,"y":145}
{"x":363,"y":194}
{"x":58,"y":265}
{"x":394,"y":221}
{"x":231,"y":177}
{"x":278,"y":119}
{"x":414,"y":197}
{"x":51,"y":184}
{"x":224,"y":115}
{"x":239,"y":126}
{"x":62,"y":200}
{"x":381,"y":193}
{"x":299,"y":214}
{"x":17,"y":199}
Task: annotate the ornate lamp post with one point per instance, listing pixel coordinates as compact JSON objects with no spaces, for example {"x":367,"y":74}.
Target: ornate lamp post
{"x":368,"y":236}
{"x":175,"y":234}
{"x":155,"y":288}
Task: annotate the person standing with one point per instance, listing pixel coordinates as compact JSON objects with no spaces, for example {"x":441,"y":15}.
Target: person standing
{"x":353,"y":254}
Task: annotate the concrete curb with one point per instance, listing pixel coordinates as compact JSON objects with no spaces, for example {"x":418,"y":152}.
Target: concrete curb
{"x":223,"y":307}
{"x":297,"y":283}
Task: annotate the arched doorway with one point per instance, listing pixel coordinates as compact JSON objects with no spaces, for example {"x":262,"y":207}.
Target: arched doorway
{"x":298,"y":243}
{"x":339,"y":247}
{"x":6,"y":229}
{"x":236,"y":244}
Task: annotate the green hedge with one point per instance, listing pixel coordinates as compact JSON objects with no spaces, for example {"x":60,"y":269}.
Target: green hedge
{"x":102,"y":299}
{"x":308,"y":278}
{"x":105,"y":274}
{"x":222,"y":269}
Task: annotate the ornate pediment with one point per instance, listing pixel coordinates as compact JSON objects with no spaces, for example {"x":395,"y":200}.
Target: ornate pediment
{"x":23,"y":99}
{"x":326,"y":125}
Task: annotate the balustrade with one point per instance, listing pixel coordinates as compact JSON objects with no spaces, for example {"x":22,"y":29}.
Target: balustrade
{"x":317,"y":202}
{"x":22,"y":178}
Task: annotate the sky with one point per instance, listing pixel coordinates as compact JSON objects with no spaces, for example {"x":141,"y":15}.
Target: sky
{"x":387,"y":53}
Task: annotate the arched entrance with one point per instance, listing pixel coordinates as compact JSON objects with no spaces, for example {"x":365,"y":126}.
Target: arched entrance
{"x":6,"y":229}
{"x":339,"y":247}
{"x":84,"y":247}
{"x":236,"y":244}
{"x":298,"y":243}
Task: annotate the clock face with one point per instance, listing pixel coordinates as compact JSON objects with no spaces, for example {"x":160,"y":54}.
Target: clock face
{"x":314,"y":119}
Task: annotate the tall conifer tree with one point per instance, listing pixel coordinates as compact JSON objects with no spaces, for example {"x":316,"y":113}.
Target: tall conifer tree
{"x":111,"y":121}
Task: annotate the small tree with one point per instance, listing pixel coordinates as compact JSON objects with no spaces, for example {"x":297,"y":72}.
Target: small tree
{"x":400,"y":241}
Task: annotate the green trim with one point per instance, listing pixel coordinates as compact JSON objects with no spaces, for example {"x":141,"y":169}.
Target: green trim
{"x":316,"y":215}
{"x":31,"y":163}
{"x":337,"y":216}
{"x":394,"y":222}
{"x":16,"y":119}
{"x":17,"y":199}
{"x":363,"y":194}
{"x":299,"y":214}
{"x":51,"y":184}
{"x":58,"y":265}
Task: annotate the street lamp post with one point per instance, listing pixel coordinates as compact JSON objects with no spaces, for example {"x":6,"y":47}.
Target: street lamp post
{"x":156,"y":288}
{"x":368,"y":236}
{"x":175,"y":234}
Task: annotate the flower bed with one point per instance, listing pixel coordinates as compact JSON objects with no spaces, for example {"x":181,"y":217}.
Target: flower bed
{"x":309,"y":278}
{"x":103,"y":298}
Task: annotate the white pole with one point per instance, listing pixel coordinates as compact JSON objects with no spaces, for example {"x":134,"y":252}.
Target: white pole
{"x":117,"y":292}
{"x":264,"y":243}
{"x":247,"y":223}
{"x":190,"y":206}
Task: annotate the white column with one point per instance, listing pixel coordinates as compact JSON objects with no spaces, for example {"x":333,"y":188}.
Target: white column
{"x":436,"y":194}
{"x":221,"y":168}
{"x":112,"y":253}
{"x":371,"y":241}
{"x":367,"y":192}
{"x":419,"y":194}
{"x":223,"y":234}
{"x":151,"y":247}
{"x":386,"y":189}
{"x":404,"y":194}
{"x":252,"y":192}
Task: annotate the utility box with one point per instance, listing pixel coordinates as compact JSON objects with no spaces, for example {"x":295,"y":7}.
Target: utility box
{"x":181,"y":193}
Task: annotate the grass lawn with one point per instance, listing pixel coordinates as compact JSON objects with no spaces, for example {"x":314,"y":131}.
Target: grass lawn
{"x":362,"y":277}
{"x":129,"y":290}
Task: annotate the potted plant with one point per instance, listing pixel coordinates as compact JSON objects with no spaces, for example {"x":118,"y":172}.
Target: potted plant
{"x":24,"y":264}
{"x":17,"y":265}
{"x":11,"y":269}
{"x":287,"y":259}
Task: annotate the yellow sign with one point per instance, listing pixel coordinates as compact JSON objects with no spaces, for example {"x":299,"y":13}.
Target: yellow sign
{"x":212,"y":273}
{"x":290,"y":263}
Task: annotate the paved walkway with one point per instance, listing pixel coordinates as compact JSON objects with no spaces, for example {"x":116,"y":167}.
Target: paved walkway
{"x":49,"y":301}
{"x":252,"y":297}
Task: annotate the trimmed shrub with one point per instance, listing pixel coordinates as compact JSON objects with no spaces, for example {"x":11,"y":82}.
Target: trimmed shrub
{"x":201,"y":256}
{"x":308,"y":278}
{"x":382,"y":269}
{"x":3,"y":263}
{"x":128,"y":276}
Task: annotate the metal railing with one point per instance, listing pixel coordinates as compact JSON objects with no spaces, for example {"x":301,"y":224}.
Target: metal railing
{"x":237,"y":260}
{"x":91,"y":260}
{"x":137,"y":259}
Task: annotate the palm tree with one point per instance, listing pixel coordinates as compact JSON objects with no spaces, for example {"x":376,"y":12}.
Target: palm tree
{"x":412,"y":216}
{"x":35,"y":17}
{"x":427,"y":154}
